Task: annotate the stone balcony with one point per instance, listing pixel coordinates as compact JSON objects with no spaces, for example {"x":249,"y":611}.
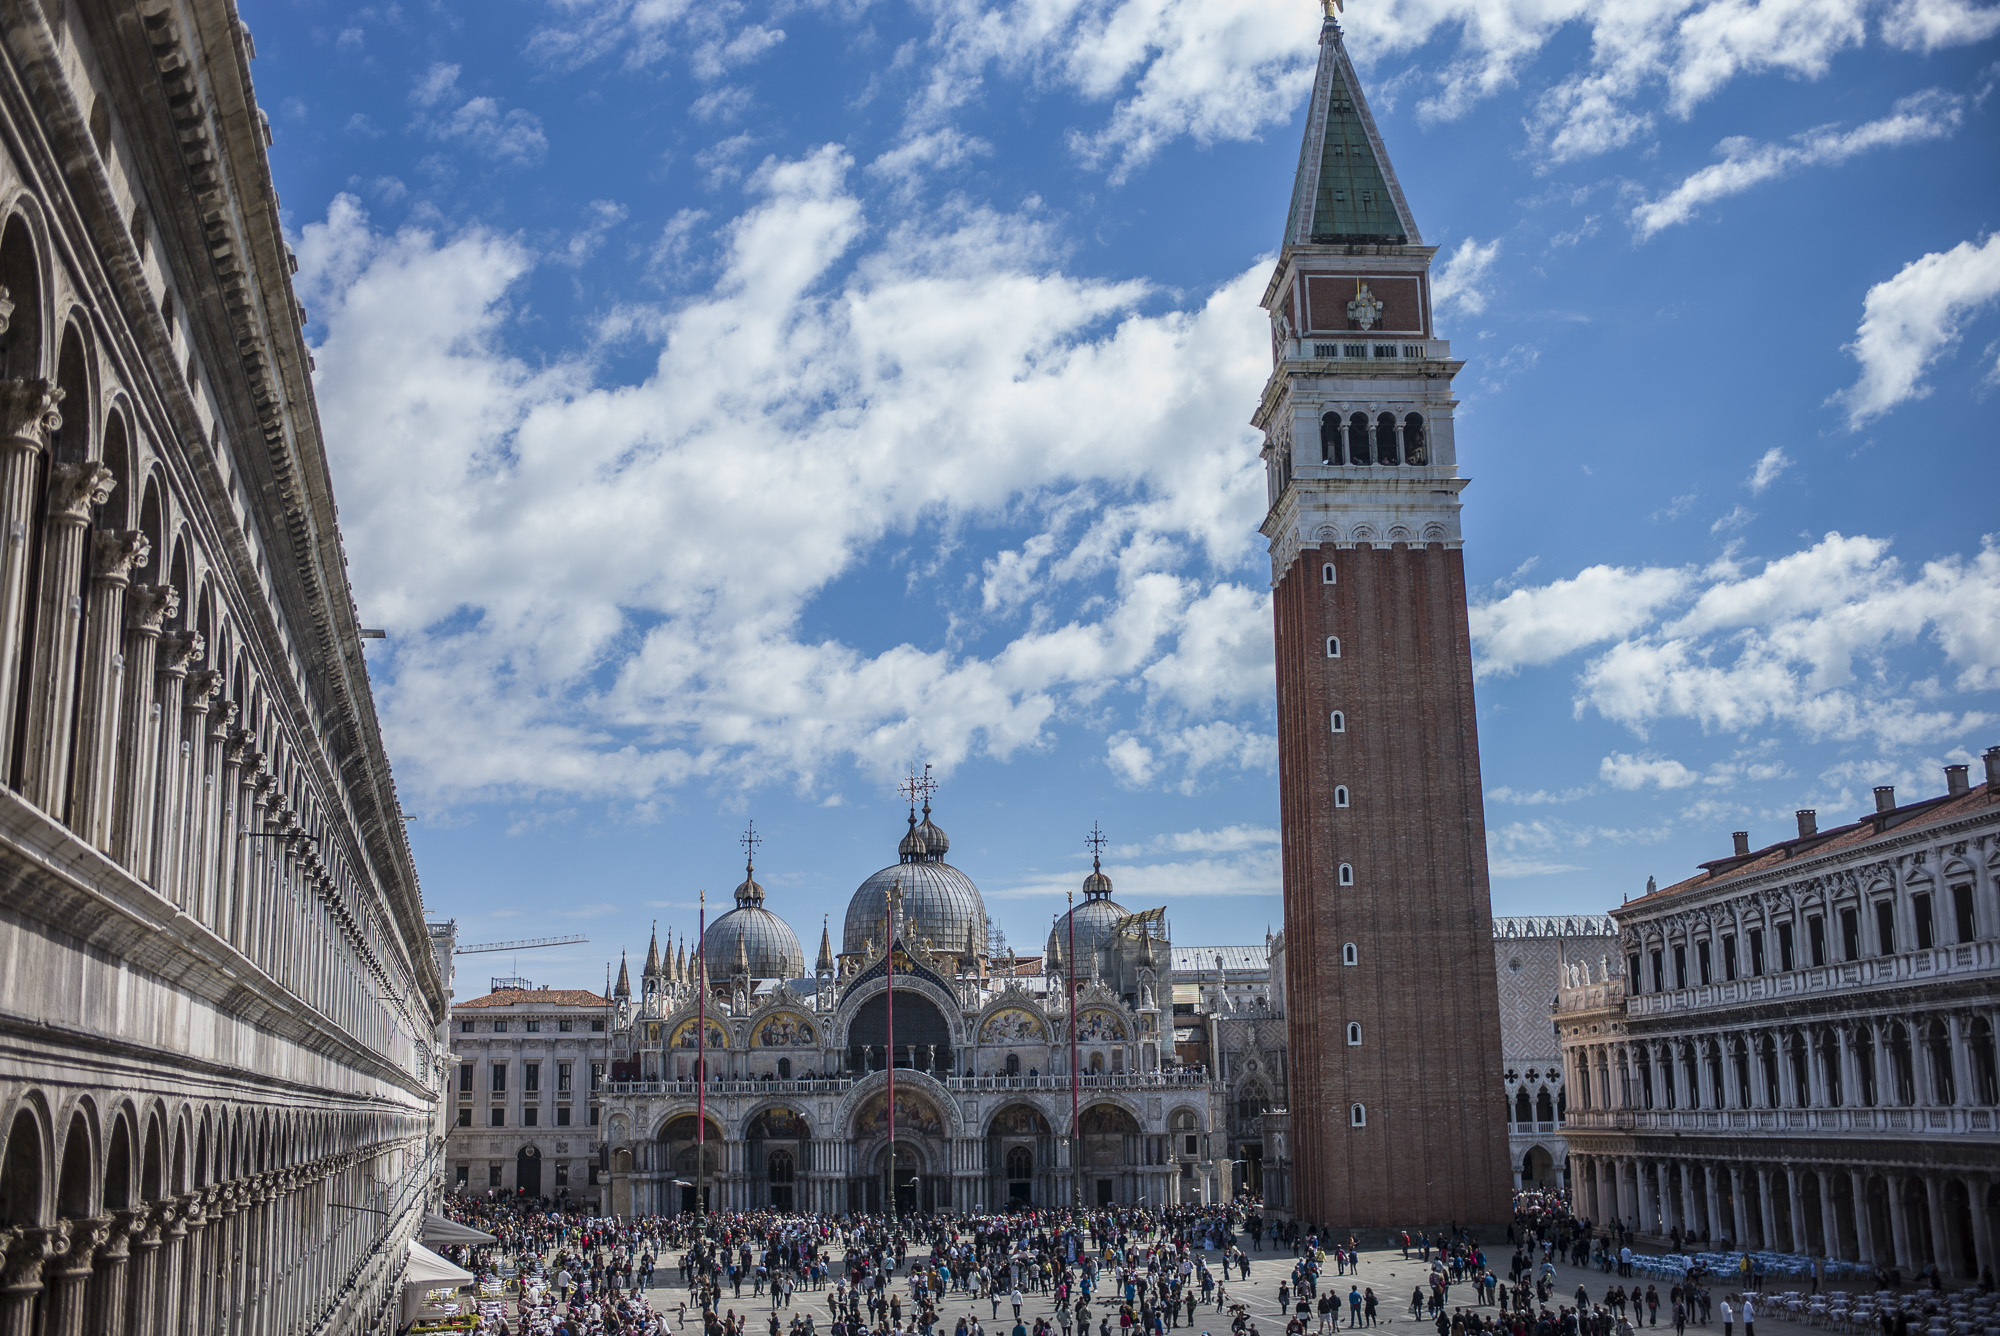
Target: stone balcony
{"x":1965,"y":960}
{"x":1955,"y":1121}
{"x":838,"y":1085}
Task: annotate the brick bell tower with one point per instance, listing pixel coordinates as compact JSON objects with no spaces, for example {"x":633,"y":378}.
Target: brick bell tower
{"x":1391,"y":1003}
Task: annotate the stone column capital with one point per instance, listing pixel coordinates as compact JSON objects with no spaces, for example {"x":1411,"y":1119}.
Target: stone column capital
{"x":225,"y":723}
{"x":29,"y":413}
{"x":202,"y":684}
{"x":148,"y":606}
{"x":75,"y":490}
{"x":180,"y":651}
{"x":114,"y":552}
{"x":239,"y":748}
{"x":25,"y":1251}
{"x":85,"y":1238}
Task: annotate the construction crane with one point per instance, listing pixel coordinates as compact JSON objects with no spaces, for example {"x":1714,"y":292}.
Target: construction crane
{"x":524,"y":944}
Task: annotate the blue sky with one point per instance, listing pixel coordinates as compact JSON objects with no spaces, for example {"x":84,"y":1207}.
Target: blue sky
{"x":732,"y":403}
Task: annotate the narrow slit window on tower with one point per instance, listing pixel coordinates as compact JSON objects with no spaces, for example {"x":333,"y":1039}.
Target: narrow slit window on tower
{"x":1326,"y":574}
{"x":1333,"y":647}
{"x":1354,"y":1034}
{"x":1346,"y":877}
{"x":1340,"y":795}
{"x":1357,"y":1115}
{"x":1350,"y":954}
{"x":1339,"y":721}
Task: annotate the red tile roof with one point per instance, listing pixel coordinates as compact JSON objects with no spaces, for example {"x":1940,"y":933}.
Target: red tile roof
{"x":539,"y":997}
{"x":1875,"y":826}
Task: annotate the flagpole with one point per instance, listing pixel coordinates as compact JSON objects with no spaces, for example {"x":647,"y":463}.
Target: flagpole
{"x":701,"y":1057}
{"x":1075,"y":1103}
{"x":890,"y":976}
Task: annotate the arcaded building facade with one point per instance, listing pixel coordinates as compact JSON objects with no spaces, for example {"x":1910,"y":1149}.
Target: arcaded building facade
{"x":987,"y":1115}
{"x":1383,"y":831}
{"x":220,"y":1012}
{"x":1797,"y":1050}
{"x":1530,"y":956}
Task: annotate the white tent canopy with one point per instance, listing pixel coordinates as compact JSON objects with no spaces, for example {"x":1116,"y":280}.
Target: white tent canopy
{"x":437,"y":1229}
{"x":428,"y":1271}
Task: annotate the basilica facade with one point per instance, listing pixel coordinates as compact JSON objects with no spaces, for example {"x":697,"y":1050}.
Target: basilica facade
{"x":737,"y":1075}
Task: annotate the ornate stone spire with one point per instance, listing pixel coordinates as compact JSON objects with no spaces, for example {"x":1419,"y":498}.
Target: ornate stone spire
{"x":653,"y":954}
{"x":825,"y":965}
{"x":624,"y":988}
{"x":1345,"y":192}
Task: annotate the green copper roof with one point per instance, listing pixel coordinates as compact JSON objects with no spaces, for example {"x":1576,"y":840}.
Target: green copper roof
{"x":1350,"y":191}
{"x":1352,"y":202}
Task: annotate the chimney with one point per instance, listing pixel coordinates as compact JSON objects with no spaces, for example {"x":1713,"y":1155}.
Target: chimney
{"x":1885,"y":798}
{"x":1808,"y":822}
{"x":1742,"y":839}
{"x":1955,"y":781}
{"x":1993,"y":769}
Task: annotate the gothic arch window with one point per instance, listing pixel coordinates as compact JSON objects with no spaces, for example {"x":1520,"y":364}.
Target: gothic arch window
{"x":1013,"y":1064}
{"x":1524,"y":1112}
{"x":1020,"y":1164}
{"x":1545,"y":1107}
{"x":1354,"y":1034}
{"x":1360,"y":447}
{"x":1350,"y":954}
{"x":1385,"y":440}
{"x":1333,"y":647}
{"x":1327,"y":574}
{"x":1357,"y":1115}
{"x":1346,"y":877}
{"x":1339,"y":721}
{"x":1329,"y":442}
{"x":1416,"y":449}
{"x":1340,"y":795}
{"x":784,"y":1069}
{"x":781,"y":1167}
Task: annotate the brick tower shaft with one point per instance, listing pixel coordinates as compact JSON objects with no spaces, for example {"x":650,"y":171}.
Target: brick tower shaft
{"x":1391,"y":1003}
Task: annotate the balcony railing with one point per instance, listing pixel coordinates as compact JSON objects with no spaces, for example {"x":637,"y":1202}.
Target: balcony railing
{"x":1788,"y":1122}
{"x":834,"y":1085}
{"x":1963,"y":960}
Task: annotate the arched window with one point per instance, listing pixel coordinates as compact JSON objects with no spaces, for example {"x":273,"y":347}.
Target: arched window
{"x":1354,"y":1034}
{"x":1385,"y":440}
{"x":1333,"y":647}
{"x":1545,"y":1107}
{"x":1096,"y":1064}
{"x":1327,"y":575}
{"x":1944,"y":1080}
{"x":1013,"y":1064}
{"x":784,"y":1069}
{"x":1347,"y":874}
{"x":1020,"y":1164}
{"x":1357,"y":1115}
{"x":1340,"y":795}
{"x":781,"y":1168}
{"x":1339,"y":722}
{"x":1359,"y":448}
{"x":1350,"y":954}
{"x":1524,"y":1111}
{"x":1416,"y":449}
{"x":1329,"y":440}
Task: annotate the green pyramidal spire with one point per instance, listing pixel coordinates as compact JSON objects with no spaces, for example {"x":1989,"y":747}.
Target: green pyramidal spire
{"x":1346,"y":192}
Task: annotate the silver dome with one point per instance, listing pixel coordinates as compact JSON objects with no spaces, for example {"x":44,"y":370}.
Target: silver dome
{"x":939,"y":902}
{"x":768,"y":946}
{"x":1096,"y":928}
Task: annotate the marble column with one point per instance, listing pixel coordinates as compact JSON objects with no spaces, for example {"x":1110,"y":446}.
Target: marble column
{"x":1941,"y":1250}
{"x":69,"y":1278}
{"x":1899,"y":1225}
{"x":1801,"y":1240}
{"x":190,"y":887}
{"x":113,"y":554}
{"x":28,"y":414}
{"x":1829,"y":1217}
{"x":1864,"y":1226}
{"x":24,"y":1257}
{"x":1739,"y":1207}
{"x":177,"y":1218}
{"x":147,"y":609}
{"x":108,"y":1301}
{"x":180,"y":651}
{"x":1982,"y":1236}
{"x":75,"y":493}
{"x":143,"y":1281}
{"x":229,"y":839}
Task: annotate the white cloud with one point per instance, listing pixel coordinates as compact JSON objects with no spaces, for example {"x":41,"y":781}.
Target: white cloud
{"x":718,"y":56}
{"x":514,"y":137}
{"x":1622,"y":770}
{"x":598,"y":588}
{"x":1746,"y":163}
{"x":1459,"y":285}
{"x":720,"y":104}
{"x":939,"y":150}
{"x":1805,"y":643}
{"x":1931,"y":25}
{"x":1542,"y":624}
{"x":1912,"y":319}
{"x":1736,"y":517}
{"x":1769,"y":465}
